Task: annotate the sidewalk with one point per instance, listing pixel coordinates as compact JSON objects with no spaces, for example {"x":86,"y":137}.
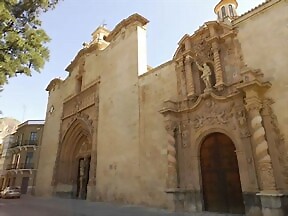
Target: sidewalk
{"x":35,"y":206}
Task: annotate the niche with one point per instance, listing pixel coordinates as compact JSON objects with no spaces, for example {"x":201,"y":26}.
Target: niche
{"x":198,"y":81}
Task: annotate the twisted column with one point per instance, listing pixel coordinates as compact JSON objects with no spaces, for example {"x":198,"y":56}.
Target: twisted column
{"x":189,"y":77}
{"x":218,"y":68}
{"x":171,"y":155}
{"x":262,"y":157}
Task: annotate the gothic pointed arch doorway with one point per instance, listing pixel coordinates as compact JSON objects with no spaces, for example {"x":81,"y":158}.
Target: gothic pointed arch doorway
{"x":74,"y":161}
{"x":220,"y":175}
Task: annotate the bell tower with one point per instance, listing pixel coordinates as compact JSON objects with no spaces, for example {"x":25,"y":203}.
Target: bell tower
{"x":226,"y":10}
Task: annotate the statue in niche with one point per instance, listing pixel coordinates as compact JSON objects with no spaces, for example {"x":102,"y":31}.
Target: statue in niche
{"x":206,"y":74}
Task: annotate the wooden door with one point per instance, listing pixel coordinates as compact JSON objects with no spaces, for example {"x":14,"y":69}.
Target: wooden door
{"x":24,"y":185}
{"x":220,"y":175}
{"x":83,"y":177}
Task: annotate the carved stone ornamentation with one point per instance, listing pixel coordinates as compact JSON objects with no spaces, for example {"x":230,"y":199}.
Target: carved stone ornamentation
{"x":242,"y":122}
{"x":189,"y":77}
{"x":171,"y":128}
{"x":85,"y":148}
{"x":206,"y":75}
{"x":185,"y":132}
{"x":263,"y":159}
{"x":267,"y":176}
{"x":80,"y":102}
{"x":274,"y":121}
{"x":218,"y":67}
{"x":202,"y":50}
{"x":213,"y":115}
{"x":82,"y":117}
{"x":277,"y":136}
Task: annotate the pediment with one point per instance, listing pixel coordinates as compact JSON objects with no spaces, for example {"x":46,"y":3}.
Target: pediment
{"x":199,"y":44}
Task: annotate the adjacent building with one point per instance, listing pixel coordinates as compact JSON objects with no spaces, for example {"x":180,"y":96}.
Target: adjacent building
{"x":205,"y":131}
{"x":21,"y":155}
{"x":7,"y":127}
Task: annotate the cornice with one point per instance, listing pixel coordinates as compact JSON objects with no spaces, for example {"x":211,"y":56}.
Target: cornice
{"x":265,"y":5}
{"x":81,"y":53}
{"x":135,"y":18}
{"x":53,"y":83}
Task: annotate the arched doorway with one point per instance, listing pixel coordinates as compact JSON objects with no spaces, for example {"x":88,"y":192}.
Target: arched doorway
{"x":220,"y":175}
{"x":74,"y":161}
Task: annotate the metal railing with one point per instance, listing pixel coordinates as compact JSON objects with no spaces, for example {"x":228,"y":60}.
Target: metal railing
{"x":30,"y":142}
{"x":24,"y":143}
{"x":20,"y":166}
{"x":13,"y":145}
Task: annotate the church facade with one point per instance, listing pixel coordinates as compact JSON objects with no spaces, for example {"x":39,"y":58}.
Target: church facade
{"x":205,"y":131}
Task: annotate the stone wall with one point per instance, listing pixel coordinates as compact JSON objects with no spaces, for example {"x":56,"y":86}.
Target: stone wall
{"x":155,"y":87}
{"x":263,"y":35}
{"x":118,"y":127}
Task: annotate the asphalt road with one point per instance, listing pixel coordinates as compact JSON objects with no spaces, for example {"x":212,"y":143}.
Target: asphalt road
{"x":35,"y":206}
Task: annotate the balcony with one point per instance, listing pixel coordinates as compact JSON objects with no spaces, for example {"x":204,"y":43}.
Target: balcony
{"x":30,"y":142}
{"x":25,"y":143}
{"x":13,"y":145}
{"x":20,"y":166}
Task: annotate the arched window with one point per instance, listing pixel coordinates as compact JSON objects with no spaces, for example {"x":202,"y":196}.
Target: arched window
{"x":231,"y":11}
{"x":223,"y":12}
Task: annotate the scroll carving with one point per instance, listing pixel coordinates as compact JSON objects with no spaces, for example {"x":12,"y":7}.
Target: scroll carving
{"x":212,"y":115}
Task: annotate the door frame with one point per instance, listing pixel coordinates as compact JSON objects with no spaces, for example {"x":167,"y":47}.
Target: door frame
{"x":204,"y":138}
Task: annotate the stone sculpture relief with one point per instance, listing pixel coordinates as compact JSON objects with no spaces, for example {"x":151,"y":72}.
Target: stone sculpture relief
{"x":242,"y":122}
{"x":206,"y":75}
{"x":212,"y":115}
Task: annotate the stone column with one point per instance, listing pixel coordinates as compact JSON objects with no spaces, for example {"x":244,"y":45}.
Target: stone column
{"x":263,"y":160}
{"x":218,"y":68}
{"x":171,"y":181}
{"x":189,"y":76}
{"x":181,"y":83}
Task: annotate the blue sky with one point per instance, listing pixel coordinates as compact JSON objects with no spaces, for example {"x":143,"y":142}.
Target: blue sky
{"x":72,"y":23}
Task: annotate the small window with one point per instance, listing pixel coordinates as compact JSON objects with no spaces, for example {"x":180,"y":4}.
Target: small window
{"x":28,"y":160}
{"x":231,"y":11}
{"x":33,"y":136}
{"x":223,"y":12}
{"x":20,"y":139}
{"x":17,"y":160}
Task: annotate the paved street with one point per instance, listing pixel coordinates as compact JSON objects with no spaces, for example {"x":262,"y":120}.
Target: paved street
{"x":32,"y":206}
